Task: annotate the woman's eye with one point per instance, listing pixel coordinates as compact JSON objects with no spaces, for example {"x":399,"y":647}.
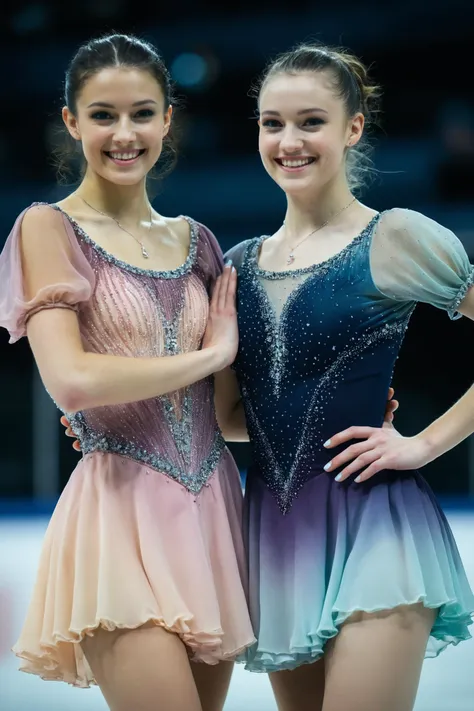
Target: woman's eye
{"x":314,"y":121}
{"x":145,"y":113}
{"x":101,"y":116}
{"x":271,"y":123}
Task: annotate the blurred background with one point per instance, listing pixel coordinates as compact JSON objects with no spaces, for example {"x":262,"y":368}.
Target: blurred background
{"x":424,"y":153}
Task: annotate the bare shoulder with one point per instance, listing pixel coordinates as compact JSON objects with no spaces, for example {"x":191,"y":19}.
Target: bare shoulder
{"x":178,"y":226}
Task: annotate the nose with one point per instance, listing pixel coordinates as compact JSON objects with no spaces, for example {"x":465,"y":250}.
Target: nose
{"x":291,"y":141}
{"x":125,"y":133}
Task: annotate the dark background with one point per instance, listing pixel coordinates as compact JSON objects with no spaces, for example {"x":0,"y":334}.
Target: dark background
{"x":424,"y":151}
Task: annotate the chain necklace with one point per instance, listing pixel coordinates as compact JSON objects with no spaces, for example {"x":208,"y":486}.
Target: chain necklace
{"x":142,"y":246}
{"x":291,"y":256}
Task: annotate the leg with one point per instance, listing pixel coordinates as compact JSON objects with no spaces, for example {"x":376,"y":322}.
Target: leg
{"x":146,"y":669}
{"x":300,"y":689}
{"x":375,"y":661}
{"x":212,"y":683}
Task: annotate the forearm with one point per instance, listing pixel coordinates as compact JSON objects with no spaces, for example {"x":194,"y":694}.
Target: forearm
{"x":95,"y":379}
{"x":451,"y":428}
{"x":234,"y":425}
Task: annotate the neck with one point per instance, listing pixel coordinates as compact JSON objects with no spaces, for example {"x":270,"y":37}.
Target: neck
{"x":305,"y":213}
{"x":123,"y":202}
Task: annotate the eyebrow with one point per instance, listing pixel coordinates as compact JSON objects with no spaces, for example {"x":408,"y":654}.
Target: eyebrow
{"x":299,"y":113}
{"x":111,"y":106}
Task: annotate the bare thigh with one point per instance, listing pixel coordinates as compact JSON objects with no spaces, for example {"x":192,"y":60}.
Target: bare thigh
{"x":212,"y":683}
{"x":300,"y":689}
{"x":146,"y":669}
{"x":375,"y":661}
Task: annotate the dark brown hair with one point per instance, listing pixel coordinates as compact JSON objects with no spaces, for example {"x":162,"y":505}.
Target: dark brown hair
{"x":351,"y":83}
{"x":113,"y":50}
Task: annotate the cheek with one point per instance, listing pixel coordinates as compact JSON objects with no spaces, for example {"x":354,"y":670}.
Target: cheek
{"x":267,"y":146}
{"x":93,"y":142}
{"x":330,"y":147}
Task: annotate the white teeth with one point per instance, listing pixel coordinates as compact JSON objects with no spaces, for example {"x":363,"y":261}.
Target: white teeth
{"x":124,"y":156}
{"x":295,"y":163}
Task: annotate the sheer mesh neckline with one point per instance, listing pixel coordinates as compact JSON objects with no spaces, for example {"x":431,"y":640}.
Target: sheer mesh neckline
{"x":269,"y":274}
{"x":163,"y":274}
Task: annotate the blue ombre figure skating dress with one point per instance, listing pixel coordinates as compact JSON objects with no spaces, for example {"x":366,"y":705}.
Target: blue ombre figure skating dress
{"x":317,"y":352}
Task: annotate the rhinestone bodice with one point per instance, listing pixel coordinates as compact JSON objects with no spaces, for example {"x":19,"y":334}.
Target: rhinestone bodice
{"x":140,"y":313}
{"x":314,"y":343}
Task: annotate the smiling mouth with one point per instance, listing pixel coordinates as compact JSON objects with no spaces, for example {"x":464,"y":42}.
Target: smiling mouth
{"x":125,"y":156}
{"x":294,"y":163}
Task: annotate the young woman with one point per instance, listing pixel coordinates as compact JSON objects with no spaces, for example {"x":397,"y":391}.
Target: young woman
{"x":143,"y":564}
{"x":354,"y":573}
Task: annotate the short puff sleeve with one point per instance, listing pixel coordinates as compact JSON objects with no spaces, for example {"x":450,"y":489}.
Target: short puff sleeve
{"x":413,"y":258}
{"x":41,"y":267}
{"x":237,"y":254}
{"x":210,"y":257}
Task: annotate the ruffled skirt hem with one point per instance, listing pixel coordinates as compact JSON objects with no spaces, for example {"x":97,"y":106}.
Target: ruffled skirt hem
{"x":204,"y":647}
{"x":448,"y":629}
{"x":126,"y":546}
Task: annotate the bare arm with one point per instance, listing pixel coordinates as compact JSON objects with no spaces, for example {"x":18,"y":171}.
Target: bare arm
{"x":388,"y":450}
{"x":229,"y":407}
{"x":458,"y":422}
{"x":77,"y":379}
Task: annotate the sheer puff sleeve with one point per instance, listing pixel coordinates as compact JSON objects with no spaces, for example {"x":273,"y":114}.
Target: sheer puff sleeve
{"x":41,"y":267}
{"x":210,"y":256}
{"x":413,"y":258}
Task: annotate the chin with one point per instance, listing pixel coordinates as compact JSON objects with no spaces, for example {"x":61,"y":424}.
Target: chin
{"x":124,"y":179}
{"x":299,"y":187}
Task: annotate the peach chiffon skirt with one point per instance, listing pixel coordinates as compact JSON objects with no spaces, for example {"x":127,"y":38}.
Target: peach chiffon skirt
{"x":127,"y":545}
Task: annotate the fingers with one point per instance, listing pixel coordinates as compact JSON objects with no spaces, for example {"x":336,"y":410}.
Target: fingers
{"x":76,"y":446}
{"x":368,"y":458}
{"x":225,"y":278}
{"x":350,"y":433}
{"x":348,"y":454}
{"x":216,"y":291}
{"x":391,"y":393}
{"x":64,"y":421}
{"x":373,"y":469}
{"x":232,"y":288}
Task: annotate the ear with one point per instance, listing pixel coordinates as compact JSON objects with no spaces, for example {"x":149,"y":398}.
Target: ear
{"x":355,"y":130}
{"x":71,"y":124}
{"x":167,"y":124}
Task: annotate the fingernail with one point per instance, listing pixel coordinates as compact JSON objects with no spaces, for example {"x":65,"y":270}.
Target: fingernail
{"x":338,"y":477}
{"x":357,"y":480}
{"x":327,"y":466}
{"x":228,"y":263}
{"x":327,"y":443}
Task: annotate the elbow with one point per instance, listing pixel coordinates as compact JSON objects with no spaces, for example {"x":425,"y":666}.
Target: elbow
{"x":233,"y":425}
{"x":70,"y":400}
{"x":74,"y":392}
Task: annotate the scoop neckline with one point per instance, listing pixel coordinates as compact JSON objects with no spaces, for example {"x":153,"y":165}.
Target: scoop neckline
{"x":162,"y":273}
{"x":312,"y":267}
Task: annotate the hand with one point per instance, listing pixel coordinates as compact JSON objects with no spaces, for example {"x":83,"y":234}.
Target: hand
{"x":392,"y":406}
{"x":65,"y":422}
{"x":382,"y":448}
{"x":221,"y":331}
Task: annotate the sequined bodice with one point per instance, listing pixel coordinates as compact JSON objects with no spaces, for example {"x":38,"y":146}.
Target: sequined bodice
{"x":317,"y":350}
{"x":142,"y":313}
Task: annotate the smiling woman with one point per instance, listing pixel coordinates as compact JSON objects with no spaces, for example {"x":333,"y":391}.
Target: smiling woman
{"x":142,"y":568}
{"x":354,"y":573}
{"x":146,"y":83}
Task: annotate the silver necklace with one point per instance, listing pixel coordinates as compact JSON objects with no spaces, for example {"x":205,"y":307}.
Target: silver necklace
{"x":291,"y":256}
{"x":142,"y":246}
